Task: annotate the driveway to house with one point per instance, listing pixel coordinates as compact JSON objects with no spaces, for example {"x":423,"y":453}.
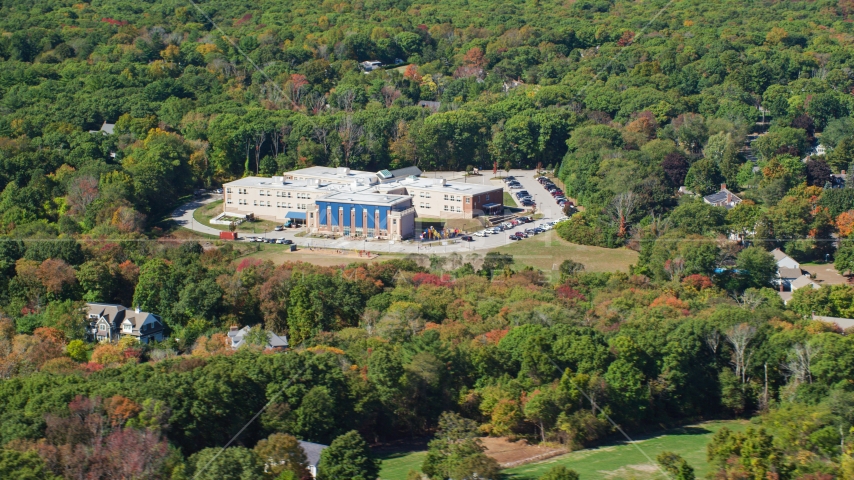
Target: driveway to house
{"x":545,"y":205}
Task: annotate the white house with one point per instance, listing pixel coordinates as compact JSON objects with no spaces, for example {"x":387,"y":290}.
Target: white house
{"x":804,"y":281}
{"x":722,"y":198}
{"x":783,"y":260}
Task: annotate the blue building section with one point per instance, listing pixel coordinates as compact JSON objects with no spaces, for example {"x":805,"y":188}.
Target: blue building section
{"x":348,"y":209}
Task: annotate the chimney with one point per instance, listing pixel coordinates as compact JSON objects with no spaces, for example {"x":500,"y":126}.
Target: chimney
{"x":728,"y":197}
{"x":723,"y":186}
{"x":232,"y":328}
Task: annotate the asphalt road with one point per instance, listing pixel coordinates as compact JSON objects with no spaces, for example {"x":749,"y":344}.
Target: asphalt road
{"x":545,"y":205}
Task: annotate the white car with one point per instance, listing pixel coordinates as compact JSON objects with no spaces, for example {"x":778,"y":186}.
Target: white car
{"x":482,"y":233}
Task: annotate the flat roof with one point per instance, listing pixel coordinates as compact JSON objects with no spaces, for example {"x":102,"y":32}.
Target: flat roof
{"x":333,"y":174}
{"x":266,"y":182}
{"x":435,"y":185}
{"x":372,"y":198}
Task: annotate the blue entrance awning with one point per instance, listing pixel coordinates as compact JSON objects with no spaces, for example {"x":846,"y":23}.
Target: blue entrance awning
{"x":491,"y":205}
{"x":296,"y":215}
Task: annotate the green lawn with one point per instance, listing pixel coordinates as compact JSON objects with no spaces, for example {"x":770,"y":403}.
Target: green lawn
{"x":206,"y":212}
{"x":627,"y":461}
{"x":509,"y":201}
{"x":396,"y":466}
{"x":613,"y":461}
{"x":547,"y":250}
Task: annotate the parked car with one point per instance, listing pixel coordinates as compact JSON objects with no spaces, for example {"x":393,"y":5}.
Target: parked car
{"x":521,"y":234}
{"x":279,"y":228}
{"x":466,"y":238}
{"x":514,"y":237}
{"x":284,"y":241}
{"x":482,"y":233}
{"x":509,"y":178}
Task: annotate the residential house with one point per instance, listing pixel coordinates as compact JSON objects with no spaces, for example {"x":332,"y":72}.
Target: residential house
{"x":312,"y":453}
{"x":106,"y":129}
{"x":842,"y":323}
{"x":804,"y":281}
{"x":110,"y":322}
{"x":783,"y":260}
{"x":371,"y":65}
{"x":238,"y":337}
{"x":722,"y":198}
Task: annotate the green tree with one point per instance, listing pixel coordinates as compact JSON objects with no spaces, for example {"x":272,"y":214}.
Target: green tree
{"x":843,"y":260}
{"x":559,"y":472}
{"x":569,"y":268}
{"x":348,"y":457}
{"x":756,"y":266}
{"x":456,"y":441}
{"x":23,"y":466}
{"x":234,"y":463}
{"x":282,"y":453}
{"x":675,"y":465}
{"x":76,"y":350}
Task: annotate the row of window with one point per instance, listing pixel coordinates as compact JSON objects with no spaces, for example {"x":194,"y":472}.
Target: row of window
{"x":423,"y":205}
{"x":425,"y":195}
{"x":269,"y":193}
{"x":450,"y":208}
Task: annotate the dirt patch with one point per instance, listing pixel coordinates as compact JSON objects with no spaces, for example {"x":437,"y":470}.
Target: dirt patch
{"x":511,"y":454}
{"x":642,"y":471}
{"x":825,"y":274}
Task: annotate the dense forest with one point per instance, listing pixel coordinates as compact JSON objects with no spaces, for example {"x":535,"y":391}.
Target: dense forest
{"x":384,"y":349}
{"x":623,"y":102}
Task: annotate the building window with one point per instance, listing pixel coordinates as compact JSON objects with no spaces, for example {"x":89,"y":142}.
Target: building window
{"x":394,"y":221}
{"x":228,"y":190}
{"x":487,"y":197}
{"x":468,"y":199}
{"x":459,"y":209}
{"x":421,"y":194}
{"x":427,"y":195}
{"x":311,"y":215}
{"x":446,"y":208}
{"x":346,"y":231}
{"x":228,"y":201}
{"x":278,"y":194}
{"x":127,"y":328}
{"x":446,"y":197}
{"x":102,"y":327}
{"x":370,"y":232}
{"x":255,"y":203}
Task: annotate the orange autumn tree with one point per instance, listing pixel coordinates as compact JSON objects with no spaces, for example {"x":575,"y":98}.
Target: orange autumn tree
{"x":845,"y":223}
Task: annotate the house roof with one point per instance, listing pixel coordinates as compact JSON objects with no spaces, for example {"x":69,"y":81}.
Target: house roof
{"x":112,"y":312}
{"x":843,"y":323}
{"x":803,"y":281}
{"x":138,"y":319}
{"x":785,"y":272}
{"x":779,"y":255}
{"x":276,"y":341}
{"x":721,"y":197}
{"x":312,"y":451}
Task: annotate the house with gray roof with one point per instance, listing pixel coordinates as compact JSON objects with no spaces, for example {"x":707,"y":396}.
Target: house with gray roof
{"x":722,"y":198}
{"x":312,"y":453}
{"x":109,"y":322}
{"x":238,"y":338}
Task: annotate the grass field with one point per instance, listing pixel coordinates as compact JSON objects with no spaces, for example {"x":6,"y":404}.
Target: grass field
{"x":614,"y":461}
{"x":327,"y":258}
{"x":509,"y":201}
{"x":397,"y":465}
{"x":206,"y":212}
{"x":627,"y":461}
{"x":547,"y":250}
